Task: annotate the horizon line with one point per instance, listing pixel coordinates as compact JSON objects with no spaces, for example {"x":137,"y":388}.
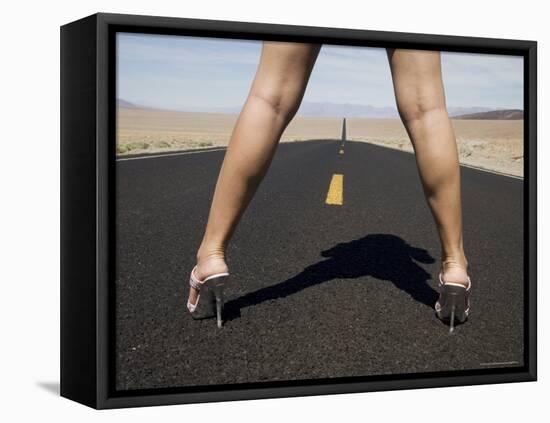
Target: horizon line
{"x":226,"y":109}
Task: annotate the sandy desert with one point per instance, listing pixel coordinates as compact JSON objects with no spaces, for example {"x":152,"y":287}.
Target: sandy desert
{"x":495,"y":145}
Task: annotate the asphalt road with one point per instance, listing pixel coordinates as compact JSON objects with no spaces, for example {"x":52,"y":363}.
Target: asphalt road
{"x":316,"y":290}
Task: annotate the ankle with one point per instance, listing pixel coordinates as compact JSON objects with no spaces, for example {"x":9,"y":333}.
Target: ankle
{"x":454,"y":259}
{"x":210,"y":260}
{"x":210,"y":252}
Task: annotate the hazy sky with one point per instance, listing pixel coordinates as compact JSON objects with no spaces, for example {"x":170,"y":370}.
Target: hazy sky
{"x":186,"y":73}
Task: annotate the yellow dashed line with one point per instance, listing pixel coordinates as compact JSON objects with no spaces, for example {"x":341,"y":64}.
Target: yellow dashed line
{"x":335,"y":195}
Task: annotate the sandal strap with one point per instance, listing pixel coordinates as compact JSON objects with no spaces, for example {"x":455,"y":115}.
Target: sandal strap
{"x":193,"y":281}
{"x":442,"y":282}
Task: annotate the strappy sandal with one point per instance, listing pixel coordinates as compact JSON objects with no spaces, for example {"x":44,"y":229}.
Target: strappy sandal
{"x":453,"y":304}
{"x":210,"y":296}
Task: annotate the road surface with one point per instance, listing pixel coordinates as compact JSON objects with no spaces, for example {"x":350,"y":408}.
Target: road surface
{"x":316,"y":290}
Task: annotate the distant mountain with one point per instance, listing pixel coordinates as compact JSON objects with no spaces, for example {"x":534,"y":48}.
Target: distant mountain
{"x":124,"y":103}
{"x":326,"y":109}
{"x":457,"y":111}
{"x":361,"y":110}
{"x":513,"y":114}
{"x":306,"y":109}
{"x":346,"y":109}
{"x":350,"y":110}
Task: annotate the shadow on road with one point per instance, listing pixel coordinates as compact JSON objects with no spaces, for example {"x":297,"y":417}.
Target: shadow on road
{"x":382,"y":256}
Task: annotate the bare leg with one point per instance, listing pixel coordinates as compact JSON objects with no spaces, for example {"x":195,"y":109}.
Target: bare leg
{"x":274,"y":98}
{"x":420,"y":99}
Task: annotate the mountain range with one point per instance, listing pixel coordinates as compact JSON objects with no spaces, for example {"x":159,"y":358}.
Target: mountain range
{"x":328,"y":109}
{"x":513,"y":114}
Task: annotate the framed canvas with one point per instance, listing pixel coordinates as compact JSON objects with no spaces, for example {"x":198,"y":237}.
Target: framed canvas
{"x":254,"y":210}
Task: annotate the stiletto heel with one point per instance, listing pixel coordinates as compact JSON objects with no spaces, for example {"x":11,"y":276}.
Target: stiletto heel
{"x":218,"y":293}
{"x":211,"y":294}
{"x":453,"y":304}
{"x":452,"y":319}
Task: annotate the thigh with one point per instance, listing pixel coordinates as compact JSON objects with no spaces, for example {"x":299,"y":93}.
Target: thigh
{"x":285,"y":67}
{"x":417,"y":79}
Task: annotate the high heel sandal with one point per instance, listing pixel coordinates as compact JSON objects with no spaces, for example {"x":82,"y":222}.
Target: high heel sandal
{"x":211,"y":292}
{"x":453,"y":303}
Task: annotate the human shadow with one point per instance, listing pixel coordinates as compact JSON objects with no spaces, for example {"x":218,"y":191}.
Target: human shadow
{"x":382,"y":256}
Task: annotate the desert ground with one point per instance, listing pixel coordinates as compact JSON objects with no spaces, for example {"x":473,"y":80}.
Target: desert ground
{"x":489,"y":144}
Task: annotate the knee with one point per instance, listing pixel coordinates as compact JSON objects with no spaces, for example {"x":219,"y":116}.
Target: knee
{"x":420,"y":109}
{"x":282,"y":102}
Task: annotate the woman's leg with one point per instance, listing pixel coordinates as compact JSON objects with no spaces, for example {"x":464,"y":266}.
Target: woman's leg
{"x":420,"y":100}
{"x":274,"y":98}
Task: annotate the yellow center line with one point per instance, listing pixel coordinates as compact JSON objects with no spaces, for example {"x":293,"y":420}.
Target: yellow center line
{"x":335,"y":194}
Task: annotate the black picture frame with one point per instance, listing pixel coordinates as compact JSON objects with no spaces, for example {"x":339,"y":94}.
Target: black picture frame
{"x":88,"y":106}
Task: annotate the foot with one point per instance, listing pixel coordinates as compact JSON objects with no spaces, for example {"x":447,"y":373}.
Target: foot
{"x":207,"y":265}
{"x":454,"y":270}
